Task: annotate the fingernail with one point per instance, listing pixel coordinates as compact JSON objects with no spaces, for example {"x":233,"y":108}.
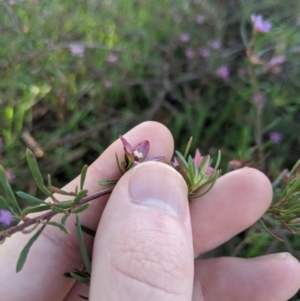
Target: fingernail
{"x":158,"y":185}
{"x":278,"y":256}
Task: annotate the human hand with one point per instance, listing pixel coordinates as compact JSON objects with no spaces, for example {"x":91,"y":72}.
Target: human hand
{"x":146,"y":251}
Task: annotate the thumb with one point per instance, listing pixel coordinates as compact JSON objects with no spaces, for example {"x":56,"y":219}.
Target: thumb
{"x":143,"y":248}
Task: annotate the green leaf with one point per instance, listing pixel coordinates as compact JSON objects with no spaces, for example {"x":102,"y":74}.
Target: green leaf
{"x":118,"y":164}
{"x":81,"y":208}
{"x":62,"y":192}
{"x":64,"y":219}
{"x":108,"y":182}
{"x":29,"y":197}
{"x":24,"y":253}
{"x":81,"y":279}
{"x":49,"y":183}
{"x":82,"y":247}
{"x":58,"y":210}
{"x":182,"y":159}
{"x":58,"y":225}
{"x":34,"y":209}
{"x":88,"y":230}
{"x":187,"y":149}
{"x":83,"y":176}
{"x":13,"y":202}
{"x":63,"y":204}
{"x":4,"y":204}
{"x":79,"y":197}
{"x":36,"y":172}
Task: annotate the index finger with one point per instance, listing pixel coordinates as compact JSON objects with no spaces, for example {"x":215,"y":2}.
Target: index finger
{"x":55,"y":253}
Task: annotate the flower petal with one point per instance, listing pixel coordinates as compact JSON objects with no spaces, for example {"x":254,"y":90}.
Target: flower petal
{"x":198,"y":158}
{"x":126,"y":145}
{"x":142,"y":148}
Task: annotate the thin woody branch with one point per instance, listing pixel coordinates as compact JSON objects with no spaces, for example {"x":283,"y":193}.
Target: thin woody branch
{"x":48,"y":215}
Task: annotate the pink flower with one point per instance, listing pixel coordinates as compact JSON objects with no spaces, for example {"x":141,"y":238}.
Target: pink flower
{"x":138,"y":154}
{"x":275,"y":137}
{"x":258,"y":99}
{"x":223,"y":72}
{"x":9,"y":175}
{"x":112,"y":58}
{"x":5,"y":217}
{"x":259,"y":24}
{"x":190,"y":53}
{"x":277,"y":60}
{"x":200,"y":19}
{"x":77,"y":49}
{"x":198,"y":159}
{"x":204,"y":52}
{"x":214,"y":44}
{"x":185,"y":37}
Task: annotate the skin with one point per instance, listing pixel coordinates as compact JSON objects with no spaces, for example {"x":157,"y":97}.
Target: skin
{"x":144,"y":252}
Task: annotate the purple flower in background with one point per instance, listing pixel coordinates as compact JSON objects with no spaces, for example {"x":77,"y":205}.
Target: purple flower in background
{"x":295,"y":49}
{"x":204,"y":52}
{"x":259,"y":24}
{"x":214,"y":44}
{"x":223,"y":72}
{"x":185,"y":37}
{"x":242,"y":71}
{"x":200,"y":19}
{"x":112,"y":58}
{"x":190,"y":53}
{"x":275,"y":137}
{"x":258,"y":99}
{"x":77,"y":49}
{"x":9,"y":175}
{"x":5,"y":217}
{"x":108,"y":84}
{"x":276,"y":60}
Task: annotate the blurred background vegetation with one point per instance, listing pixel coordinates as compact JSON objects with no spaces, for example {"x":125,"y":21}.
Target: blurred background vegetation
{"x":76,"y":74}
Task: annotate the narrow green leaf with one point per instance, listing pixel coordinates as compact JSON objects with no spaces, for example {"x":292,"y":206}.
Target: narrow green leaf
{"x":36,"y":172}
{"x":187,"y":149}
{"x":62,"y":192}
{"x":118,"y":164}
{"x":182,"y":159}
{"x":24,"y":253}
{"x":80,"y":278}
{"x":29,"y":197}
{"x":49,"y":182}
{"x":63,"y":204}
{"x":4,"y":204}
{"x":82,"y":247}
{"x":81,"y":208}
{"x":58,"y":210}
{"x":108,"y":182}
{"x":83,"y":176}
{"x":295,"y":167}
{"x":58,"y":225}
{"x":34,"y":209}
{"x":218,"y":160}
{"x":27,"y":231}
{"x":64,"y":219}
{"x":88,"y":230}
{"x":13,"y":202}
{"x":79,"y":197}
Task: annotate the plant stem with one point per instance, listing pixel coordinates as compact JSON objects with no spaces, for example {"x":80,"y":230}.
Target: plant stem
{"x":48,"y":215}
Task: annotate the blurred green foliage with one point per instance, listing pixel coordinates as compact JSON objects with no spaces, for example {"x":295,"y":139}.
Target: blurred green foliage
{"x":76,"y":74}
